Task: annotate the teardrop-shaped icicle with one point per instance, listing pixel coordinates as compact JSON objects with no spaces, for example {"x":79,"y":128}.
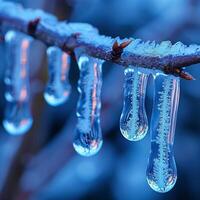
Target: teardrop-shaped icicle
{"x":161,"y":170}
{"x":88,"y":137}
{"x":58,"y":87}
{"x":133,"y":121}
{"x":17,"y":119}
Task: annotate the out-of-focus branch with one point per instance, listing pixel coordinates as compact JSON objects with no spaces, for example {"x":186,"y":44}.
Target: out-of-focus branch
{"x":49,"y":30}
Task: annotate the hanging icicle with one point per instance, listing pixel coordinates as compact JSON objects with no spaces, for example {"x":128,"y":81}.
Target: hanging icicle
{"x":11,"y":52}
{"x":133,"y":121}
{"x":58,"y":87}
{"x":161,"y":171}
{"x":88,"y":138}
{"x":17,"y":119}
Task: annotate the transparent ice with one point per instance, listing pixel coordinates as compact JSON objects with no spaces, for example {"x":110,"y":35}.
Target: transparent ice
{"x":58,"y":87}
{"x":88,"y":137}
{"x":17,"y":119}
{"x":161,"y":170}
{"x":133,"y":121}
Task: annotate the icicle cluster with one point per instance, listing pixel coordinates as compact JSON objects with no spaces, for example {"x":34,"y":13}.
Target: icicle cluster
{"x":18,"y":119}
{"x":161,"y":170}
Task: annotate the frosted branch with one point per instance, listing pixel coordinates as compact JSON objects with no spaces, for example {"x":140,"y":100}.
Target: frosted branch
{"x":46,"y":28}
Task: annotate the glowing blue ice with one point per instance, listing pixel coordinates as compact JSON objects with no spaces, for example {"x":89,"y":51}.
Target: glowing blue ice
{"x":161,"y":171}
{"x":58,"y":87}
{"x":17,"y":119}
{"x":88,"y":138}
{"x":133,"y":121}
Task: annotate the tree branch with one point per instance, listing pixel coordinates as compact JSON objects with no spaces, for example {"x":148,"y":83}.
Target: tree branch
{"x":68,"y":36}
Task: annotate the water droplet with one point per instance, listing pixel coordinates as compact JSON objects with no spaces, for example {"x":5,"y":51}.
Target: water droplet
{"x":17,"y":119}
{"x":161,"y":170}
{"x":58,"y":87}
{"x":133,"y":121}
{"x":88,"y":138}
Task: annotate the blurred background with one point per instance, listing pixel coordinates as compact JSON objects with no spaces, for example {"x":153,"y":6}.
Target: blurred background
{"x":42,"y":164}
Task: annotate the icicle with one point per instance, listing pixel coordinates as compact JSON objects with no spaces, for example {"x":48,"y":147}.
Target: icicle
{"x":17,"y":119}
{"x":11,"y":51}
{"x":58,"y":87}
{"x":88,"y":138}
{"x":133,"y":121}
{"x":161,"y":171}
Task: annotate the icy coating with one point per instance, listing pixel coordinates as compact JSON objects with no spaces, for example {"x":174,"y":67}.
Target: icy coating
{"x":88,"y":137}
{"x":161,"y":170}
{"x":133,"y":121}
{"x":58,"y":87}
{"x":17,"y":119}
